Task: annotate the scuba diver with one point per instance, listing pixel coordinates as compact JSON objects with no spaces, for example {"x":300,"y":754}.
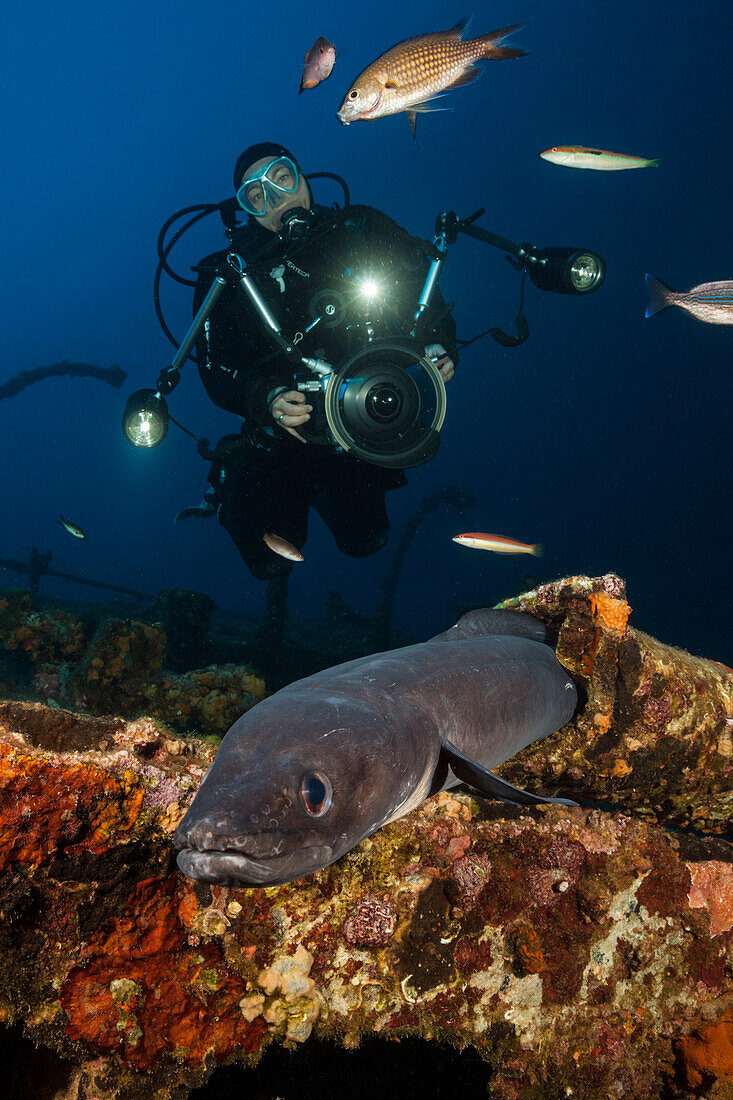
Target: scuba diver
{"x":297,"y":251}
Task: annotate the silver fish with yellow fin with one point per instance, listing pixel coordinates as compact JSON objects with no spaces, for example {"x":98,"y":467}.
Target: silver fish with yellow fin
{"x":412,"y":73}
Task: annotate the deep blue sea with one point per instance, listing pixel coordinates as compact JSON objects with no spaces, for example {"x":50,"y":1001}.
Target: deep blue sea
{"x":605,"y":436}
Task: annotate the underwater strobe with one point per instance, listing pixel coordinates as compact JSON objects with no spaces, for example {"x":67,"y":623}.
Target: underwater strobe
{"x":566,"y":270}
{"x":145,"y":419}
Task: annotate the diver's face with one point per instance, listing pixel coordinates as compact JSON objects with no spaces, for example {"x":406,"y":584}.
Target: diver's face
{"x":278,"y":201}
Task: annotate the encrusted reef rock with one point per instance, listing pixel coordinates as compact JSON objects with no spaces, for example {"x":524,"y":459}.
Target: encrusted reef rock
{"x":50,"y":635}
{"x":122,"y":673}
{"x":656,"y":734}
{"x":120,"y":670}
{"x":580,"y":953}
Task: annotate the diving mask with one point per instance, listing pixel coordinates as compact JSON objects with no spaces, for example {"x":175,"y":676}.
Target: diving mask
{"x":268,"y":186}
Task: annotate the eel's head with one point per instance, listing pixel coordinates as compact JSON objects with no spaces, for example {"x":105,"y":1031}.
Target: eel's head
{"x":262,"y":848}
{"x":291,"y":789}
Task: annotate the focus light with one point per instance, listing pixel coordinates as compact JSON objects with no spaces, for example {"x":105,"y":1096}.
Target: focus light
{"x":145,"y":419}
{"x":584,"y":272}
{"x":566,"y":270}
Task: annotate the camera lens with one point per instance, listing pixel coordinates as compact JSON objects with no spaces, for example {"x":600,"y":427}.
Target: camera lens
{"x":383,"y":402}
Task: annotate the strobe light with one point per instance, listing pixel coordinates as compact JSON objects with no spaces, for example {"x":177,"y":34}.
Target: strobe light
{"x":369,"y":289}
{"x":566,"y":270}
{"x":145,"y":419}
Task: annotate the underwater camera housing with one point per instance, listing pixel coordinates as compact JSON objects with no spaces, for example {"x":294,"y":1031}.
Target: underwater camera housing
{"x":384,"y":403}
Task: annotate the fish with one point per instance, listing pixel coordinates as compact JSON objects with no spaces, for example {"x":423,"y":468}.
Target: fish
{"x":412,"y":73}
{"x":306,"y":774}
{"x":319,"y":62}
{"x":73,"y":528}
{"x":709,"y":302}
{"x":580,"y":156}
{"x":500,"y":544}
{"x":282,"y":547}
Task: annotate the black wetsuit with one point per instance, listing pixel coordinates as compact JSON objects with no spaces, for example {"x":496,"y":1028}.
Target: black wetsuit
{"x":271,"y":484}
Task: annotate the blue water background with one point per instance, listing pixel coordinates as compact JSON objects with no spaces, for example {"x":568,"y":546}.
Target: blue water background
{"x":606,"y":436}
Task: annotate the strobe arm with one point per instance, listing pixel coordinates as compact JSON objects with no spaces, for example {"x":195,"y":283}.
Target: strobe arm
{"x":234,"y":272}
{"x":170,"y":376}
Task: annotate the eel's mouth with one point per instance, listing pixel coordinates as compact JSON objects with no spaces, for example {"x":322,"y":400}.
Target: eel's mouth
{"x":230,"y":865}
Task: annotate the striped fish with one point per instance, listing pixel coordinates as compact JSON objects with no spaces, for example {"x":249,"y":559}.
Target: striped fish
{"x":580,"y":156}
{"x":709,"y":302}
{"x":500,"y":544}
{"x":415,"y":71}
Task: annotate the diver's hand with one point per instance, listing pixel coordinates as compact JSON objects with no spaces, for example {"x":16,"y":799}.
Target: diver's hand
{"x":442,"y":360}
{"x":446,"y":368}
{"x":289,"y":411}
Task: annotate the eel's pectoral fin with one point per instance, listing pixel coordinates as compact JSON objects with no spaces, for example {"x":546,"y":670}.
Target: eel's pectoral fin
{"x":483,"y":780}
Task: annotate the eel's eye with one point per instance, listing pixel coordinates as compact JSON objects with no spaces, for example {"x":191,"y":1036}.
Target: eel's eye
{"x":316,"y":793}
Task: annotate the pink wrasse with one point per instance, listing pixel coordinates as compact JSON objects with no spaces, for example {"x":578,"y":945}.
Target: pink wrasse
{"x":499,"y":544}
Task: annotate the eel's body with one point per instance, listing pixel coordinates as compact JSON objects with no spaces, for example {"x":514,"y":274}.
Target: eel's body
{"x":309,"y":772}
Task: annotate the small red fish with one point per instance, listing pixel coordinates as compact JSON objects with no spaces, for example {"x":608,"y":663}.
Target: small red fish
{"x":318,"y":63}
{"x":282,"y":547}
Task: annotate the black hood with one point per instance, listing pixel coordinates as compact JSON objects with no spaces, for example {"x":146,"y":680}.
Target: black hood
{"x":256,"y":152}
